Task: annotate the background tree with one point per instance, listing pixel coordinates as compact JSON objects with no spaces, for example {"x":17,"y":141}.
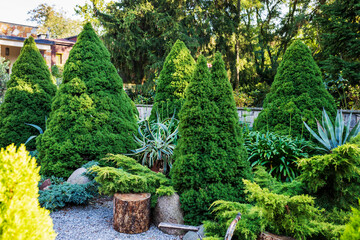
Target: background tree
{"x":54,"y":22}
{"x":339,"y":28}
{"x":4,"y":77}
{"x":202,"y":173}
{"x":173,"y":79}
{"x":28,"y":97}
{"x":91,"y":114}
{"x":297,"y":94}
{"x":140,"y":34}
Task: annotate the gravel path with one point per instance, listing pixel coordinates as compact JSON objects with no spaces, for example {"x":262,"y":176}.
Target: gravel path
{"x":94,"y":222}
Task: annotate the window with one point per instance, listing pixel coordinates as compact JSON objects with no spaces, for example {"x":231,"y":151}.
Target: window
{"x":42,"y":52}
{"x":59,"y":59}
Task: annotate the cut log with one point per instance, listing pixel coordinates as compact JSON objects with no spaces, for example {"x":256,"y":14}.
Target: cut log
{"x":131,"y":212}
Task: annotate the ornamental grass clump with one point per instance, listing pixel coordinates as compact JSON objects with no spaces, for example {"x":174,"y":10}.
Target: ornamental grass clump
{"x":297,"y":94}
{"x":91,"y":114}
{"x":173,"y":79}
{"x":21,"y":216}
{"x":204,"y":170}
{"x":28,"y":97}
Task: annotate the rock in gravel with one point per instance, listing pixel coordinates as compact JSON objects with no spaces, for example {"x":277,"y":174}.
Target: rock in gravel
{"x":168,"y":210}
{"x":77,"y":177}
{"x":193,"y":235}
{"x":45,"y":184}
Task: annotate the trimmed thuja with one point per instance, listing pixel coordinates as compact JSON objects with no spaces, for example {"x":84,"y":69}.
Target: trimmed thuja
{"x":297,"y":94}
{"x":28,"y":97}
{"x":91,"y":114}
{"x":173,"y":79}
{"x":204,"y":169}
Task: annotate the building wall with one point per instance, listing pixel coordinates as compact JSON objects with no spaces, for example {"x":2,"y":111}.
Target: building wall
{"x":17,"y":30}
{"x":15,"y":48}
{"x":64,"y":50}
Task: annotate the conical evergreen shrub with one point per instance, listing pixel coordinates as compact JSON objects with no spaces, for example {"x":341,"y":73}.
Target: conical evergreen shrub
{"x":28,"y":97}
{"x":297,"y":94}
{"x":229,"y":130}
{"x":91,"y":114}
{"x":173,"y":79}
{"x":201,"y":172}
{"x":21,"y":216}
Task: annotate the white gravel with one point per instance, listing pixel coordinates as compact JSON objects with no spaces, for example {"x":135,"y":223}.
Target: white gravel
{"x":94,"y":222}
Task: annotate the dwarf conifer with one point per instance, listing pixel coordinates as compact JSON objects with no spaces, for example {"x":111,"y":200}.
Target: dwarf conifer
{"x":297,"y":94}
{"x":28,"y":97}
{"x":91,"y":114}
{"x":173,"y":79}
{"x":202,"y":172}
{"x":21,"y":216}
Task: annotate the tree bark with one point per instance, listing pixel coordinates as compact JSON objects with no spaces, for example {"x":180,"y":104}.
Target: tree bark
{"x":131,"y":212}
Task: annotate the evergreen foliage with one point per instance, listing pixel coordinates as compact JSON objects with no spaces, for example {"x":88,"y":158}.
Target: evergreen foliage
{"x":297,"y":94}
{"x":173,"y":79}
{"x":334,"y":178}
{"x":352,"y":229}
{"x":204,"y":170}
{"x":128,"y":177}
{"x":91,"y":114}
{"x":61,"y":193}
{"x":20,"y":214}
{"x":340,"y":39}
{"x":140,"y":33}
{"x":229,"y":130}
{"x":278,"y":209}
{"x":28,"y":97}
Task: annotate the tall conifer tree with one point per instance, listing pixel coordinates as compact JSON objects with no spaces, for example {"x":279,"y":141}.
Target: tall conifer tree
{"x":91,"y":114}
{"x":28,"y":97}
{"x":297,"y":94}
{"x":173,"y":79}
{"x":229,"y":131}
{"x":201,"y":172}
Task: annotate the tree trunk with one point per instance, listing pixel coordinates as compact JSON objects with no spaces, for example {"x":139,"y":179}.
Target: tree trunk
{"x":237,"y":47}
{"x":131,"y":212}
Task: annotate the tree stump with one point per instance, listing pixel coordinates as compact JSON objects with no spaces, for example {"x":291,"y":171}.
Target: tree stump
{"x":131,"y":212}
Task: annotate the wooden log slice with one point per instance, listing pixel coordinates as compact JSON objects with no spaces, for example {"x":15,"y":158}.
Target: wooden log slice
{"x":131,"y":212}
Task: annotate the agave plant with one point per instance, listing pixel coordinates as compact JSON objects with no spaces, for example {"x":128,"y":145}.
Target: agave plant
{"x":334,"y":135}
{"x":34,"y":153}
{"x":157,"y":140}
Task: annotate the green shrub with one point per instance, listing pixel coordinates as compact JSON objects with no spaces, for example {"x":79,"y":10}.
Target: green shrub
{"x":20,"y":214}
{"x":297,"y":94}
{"x":279,"y":154}
{"x":57,"y":74}
{"x":61,"y":193}
{"x":248,"y":227}
{"x":91,"y":114}
{"x":173,"y":79}
{"x":128,"y":177}
{"x":333,"y":178}
{"x":352,"y":229}
{"x":28,"y":97}
{"x":206,"y":166}
{"x":278,"y":209}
